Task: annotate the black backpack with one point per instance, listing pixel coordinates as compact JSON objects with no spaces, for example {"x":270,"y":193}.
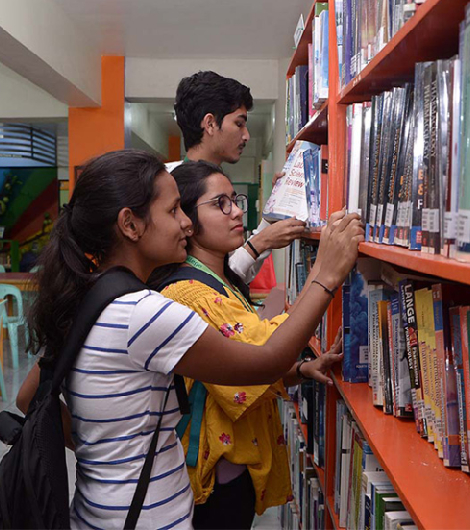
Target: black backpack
{"x":33,"y":474}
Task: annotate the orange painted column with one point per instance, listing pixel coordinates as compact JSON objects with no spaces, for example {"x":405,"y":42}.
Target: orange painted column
{"x":94,"y":131}
{"x":174,"y":148}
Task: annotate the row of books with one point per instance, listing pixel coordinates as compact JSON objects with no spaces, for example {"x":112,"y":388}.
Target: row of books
{"x":303,"y":190}
{"x":307,"y":507}
{"x":307,"y":88}
{"x":408,"y":338}
{"x":364,"y":497}
{"x":364,"y":27}
{"x":407,"y":168}
{"x":300,"y":257}
{"x":312,"y":411}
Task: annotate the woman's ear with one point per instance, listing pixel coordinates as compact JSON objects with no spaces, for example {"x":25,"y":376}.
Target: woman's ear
{"x":129,"y":225}
{"x":209,"y":124}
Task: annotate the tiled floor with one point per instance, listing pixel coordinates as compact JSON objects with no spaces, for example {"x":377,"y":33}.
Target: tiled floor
{"x":13,"y":381}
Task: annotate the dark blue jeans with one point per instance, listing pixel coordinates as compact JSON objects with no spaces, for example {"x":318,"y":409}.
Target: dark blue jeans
{"x":230,"y":506}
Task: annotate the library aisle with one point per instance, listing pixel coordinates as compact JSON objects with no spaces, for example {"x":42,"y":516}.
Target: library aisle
{"x":378,"y":121}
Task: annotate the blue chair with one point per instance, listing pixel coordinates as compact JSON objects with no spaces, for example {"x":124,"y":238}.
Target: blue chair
{"x":12,"y":322}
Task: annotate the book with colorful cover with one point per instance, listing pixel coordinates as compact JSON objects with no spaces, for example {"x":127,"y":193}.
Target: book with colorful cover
{"x":376,"y":294}
{"x":403,"y":406}
{"x":356,"y":333}
{"x":289,"y":196}
{"x":410,"y":326}
{"x":444,"y":296}
{"x":384,"y":344}
{"x":435,"y":375}
{"x":456,"y":341}
{"x":464,"y":312}
{"x":419,"y":161}
{"x":420,"y":300}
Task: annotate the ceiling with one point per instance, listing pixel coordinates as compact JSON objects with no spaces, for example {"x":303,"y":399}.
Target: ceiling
{"x":255,"y":29}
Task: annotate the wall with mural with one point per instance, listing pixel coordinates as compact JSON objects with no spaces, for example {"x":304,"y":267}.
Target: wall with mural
{"x":29,"y":203}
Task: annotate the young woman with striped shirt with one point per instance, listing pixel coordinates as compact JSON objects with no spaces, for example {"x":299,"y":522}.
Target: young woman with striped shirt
{"x":125,"y":211}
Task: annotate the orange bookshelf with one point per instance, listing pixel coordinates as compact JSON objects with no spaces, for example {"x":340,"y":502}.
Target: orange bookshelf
{"x":314,"y":345}
{"x":425,"y":486}
{"x":315,"y":235}
{"x":435,"y":496}
{"x":300,"y":55}
{"x":330,"y":504}
{"x":434,"y":265}
{"x":315,"y":130}
{"x":430,"y":34}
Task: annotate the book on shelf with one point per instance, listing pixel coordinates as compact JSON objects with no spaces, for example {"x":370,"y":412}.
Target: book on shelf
{"x":356,"y":320}
{"x":457,"y":354}
{"x":417,"y":333}
{"x":463,"y":222}
{"x":307,"y":87}
{"x":363,"y":493}
{"x":320,"y":53}
{"x":298,"y":192}
{"x":403,"y":171}
{"x":364,"y":28}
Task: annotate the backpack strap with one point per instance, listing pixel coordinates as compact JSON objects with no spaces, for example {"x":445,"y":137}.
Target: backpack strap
{"x":190,"y":273}
{"x":144,"y":478}
{"x":111,"y":285}
{"x":198,"y":394}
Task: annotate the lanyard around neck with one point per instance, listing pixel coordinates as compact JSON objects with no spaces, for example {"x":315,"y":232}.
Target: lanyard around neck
{"x":199,"y":265}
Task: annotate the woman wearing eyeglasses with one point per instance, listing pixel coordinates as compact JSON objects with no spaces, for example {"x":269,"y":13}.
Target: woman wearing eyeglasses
{"x":235,"y":448}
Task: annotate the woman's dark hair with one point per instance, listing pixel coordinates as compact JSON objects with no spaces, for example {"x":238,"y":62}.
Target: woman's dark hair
{"x":84,"y":236}
{"x":204,"y":93}
{"x":191,"y":179}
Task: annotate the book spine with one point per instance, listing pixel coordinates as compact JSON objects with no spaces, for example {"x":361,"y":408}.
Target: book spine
{"x":454,"y":317}
{"x":463,"y":221}
{"x":466,"y":366}
{"x":410,"y":325}
{"x":385,"y":356}
{"x":424,"y":360}
{"x":443,"y":390}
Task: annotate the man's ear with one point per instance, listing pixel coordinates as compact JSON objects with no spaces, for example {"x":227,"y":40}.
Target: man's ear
{"x":130,"y":226}
{"x":209,"y":124}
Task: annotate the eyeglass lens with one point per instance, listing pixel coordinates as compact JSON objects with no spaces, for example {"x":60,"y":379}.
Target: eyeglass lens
{"x":225,"y":203}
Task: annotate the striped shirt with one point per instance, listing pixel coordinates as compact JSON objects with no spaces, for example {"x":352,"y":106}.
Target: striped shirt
{"x":115,"y":393}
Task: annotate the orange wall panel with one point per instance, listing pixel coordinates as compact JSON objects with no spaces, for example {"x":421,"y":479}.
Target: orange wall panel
{"x":174,"y":148}
{"x":94,"y":131}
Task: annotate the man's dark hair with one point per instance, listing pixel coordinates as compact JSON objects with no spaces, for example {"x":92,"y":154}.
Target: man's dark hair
{"x":204,"y":93}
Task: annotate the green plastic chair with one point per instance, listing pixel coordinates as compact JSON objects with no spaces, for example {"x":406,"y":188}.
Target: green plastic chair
{"x":12,"y":322}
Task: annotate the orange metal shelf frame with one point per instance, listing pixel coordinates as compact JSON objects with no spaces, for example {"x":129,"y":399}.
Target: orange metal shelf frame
{"x":330,"y":503}
{"x":436,"y":497}
{"x":446,"y":268}
{"x":432,"y":33}
{"x":314,"y":345}
{"x":300,"y":55}
{"x":315,"y":130}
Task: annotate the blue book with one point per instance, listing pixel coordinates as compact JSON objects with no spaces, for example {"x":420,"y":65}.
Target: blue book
{"x":301,"y":75}
{"x":346,"y":331}
{"x":355,"y":329}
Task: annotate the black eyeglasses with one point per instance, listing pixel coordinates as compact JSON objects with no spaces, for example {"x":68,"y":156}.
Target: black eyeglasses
{"x":225,"y":203}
